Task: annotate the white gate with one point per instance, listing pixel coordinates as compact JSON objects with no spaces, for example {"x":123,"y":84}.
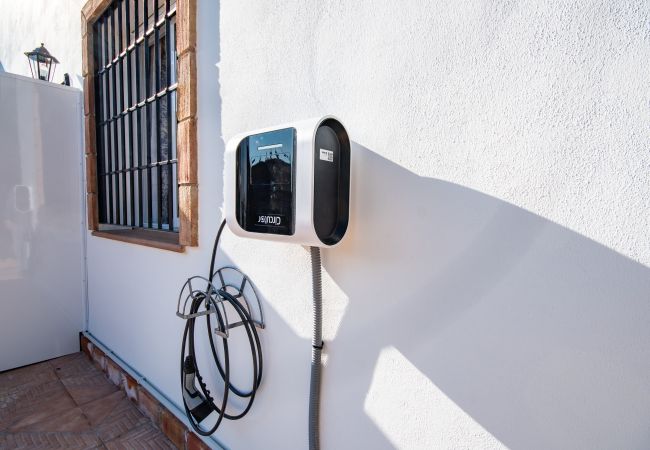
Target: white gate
{"x":41,"y":221}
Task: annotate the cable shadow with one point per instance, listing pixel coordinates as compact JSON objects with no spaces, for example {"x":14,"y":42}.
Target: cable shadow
{"x":537,"y":332}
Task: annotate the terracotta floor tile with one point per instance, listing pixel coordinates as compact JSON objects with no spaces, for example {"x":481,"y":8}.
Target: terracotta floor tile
{"x":75,"y":364}
{"x":146,"y":436}
{"x":86,"y":388}
{"x":124,"y":418}
{"x":70,"y":420}
{"x":49,"y":440}
{"x":9,"y":397}
{"x":31,"y":404}
{"x":33,"y":374}
{"x":99,"y":409}
{"x":66,"y":403}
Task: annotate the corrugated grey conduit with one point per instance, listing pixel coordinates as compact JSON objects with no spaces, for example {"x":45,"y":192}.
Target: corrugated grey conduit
{"x":316,"y":349}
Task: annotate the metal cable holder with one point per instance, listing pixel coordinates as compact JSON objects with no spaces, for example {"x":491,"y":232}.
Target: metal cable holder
{"x":226,"y":285}
{"x":213,"y":298}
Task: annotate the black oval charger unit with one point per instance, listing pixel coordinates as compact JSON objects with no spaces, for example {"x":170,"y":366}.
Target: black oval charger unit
{"x":331,"y":181}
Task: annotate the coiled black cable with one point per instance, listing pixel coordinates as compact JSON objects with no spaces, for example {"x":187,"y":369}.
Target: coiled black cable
{"x":188,"y":357}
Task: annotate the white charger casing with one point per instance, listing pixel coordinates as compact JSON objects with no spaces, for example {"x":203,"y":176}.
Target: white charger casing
{"x":320,"y":202}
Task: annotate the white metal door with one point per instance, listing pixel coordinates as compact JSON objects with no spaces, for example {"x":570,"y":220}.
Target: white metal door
{"x":41,"y":221}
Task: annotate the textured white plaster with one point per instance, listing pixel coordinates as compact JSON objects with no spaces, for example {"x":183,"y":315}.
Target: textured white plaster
{"x":24,"y":24}
{"x":543,"y":104}
{"x":413,"y":413}
{"x":543,"y":107}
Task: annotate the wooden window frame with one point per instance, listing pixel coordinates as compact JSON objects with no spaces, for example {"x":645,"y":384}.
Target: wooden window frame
{"x":186,"y":116}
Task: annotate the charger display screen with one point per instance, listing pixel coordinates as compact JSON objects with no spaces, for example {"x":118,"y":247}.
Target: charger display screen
{"x":266,"y":182}
{"x":270,"y":164}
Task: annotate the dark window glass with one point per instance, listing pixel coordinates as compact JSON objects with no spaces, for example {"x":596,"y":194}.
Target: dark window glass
{"x":135,"y":101}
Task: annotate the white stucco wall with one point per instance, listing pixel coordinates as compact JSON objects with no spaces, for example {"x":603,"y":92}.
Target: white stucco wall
{"x":24,"y":24}
{"x":494,"y":288}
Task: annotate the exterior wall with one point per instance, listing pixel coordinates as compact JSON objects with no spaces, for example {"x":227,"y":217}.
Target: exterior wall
{"x":493,"y":288}
{"x":25,"y":24}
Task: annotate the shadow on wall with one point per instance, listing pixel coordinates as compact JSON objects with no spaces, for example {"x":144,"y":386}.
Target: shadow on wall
{"x":2,"y":69}
{"x":538,"y":333}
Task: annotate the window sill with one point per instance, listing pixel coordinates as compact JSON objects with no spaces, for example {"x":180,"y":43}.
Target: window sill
{"x":163,"y":240}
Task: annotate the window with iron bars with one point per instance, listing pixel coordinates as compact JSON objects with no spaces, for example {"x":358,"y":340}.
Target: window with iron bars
{"x":135,"y":106}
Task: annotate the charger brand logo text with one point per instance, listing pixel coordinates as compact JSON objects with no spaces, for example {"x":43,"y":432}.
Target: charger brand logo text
{"x":269,"y":220}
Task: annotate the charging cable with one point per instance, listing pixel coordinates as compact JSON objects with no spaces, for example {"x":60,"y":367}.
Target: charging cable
{"x":198,"y":401}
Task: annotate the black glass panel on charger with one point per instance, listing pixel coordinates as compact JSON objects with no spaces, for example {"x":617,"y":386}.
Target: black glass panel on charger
{"x":265,"y":168}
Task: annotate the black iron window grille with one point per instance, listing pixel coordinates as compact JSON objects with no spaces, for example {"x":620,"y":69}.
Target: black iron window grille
{"x":135,"y":106}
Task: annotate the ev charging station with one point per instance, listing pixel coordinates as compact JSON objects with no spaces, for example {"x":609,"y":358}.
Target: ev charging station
{"x":288,"y":183}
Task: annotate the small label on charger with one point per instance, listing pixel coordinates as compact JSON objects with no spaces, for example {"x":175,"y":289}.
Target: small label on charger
{"x":269,"y":220}
{"x":326,"y":155}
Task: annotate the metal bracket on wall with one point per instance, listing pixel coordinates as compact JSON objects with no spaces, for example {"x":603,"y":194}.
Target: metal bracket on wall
{"x":232,"y":283}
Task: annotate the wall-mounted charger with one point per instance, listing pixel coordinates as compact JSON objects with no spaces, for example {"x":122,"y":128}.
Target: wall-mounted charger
{"x":290,"y":183}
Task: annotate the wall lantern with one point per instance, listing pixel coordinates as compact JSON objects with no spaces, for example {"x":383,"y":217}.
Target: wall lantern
{"x":42,"y":63}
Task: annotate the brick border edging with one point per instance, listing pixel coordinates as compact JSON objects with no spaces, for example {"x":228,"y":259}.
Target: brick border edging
{"x":162,"y":418}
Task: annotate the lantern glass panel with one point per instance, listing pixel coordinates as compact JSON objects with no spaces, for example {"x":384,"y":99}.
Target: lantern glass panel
{"x":43,"y":70}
